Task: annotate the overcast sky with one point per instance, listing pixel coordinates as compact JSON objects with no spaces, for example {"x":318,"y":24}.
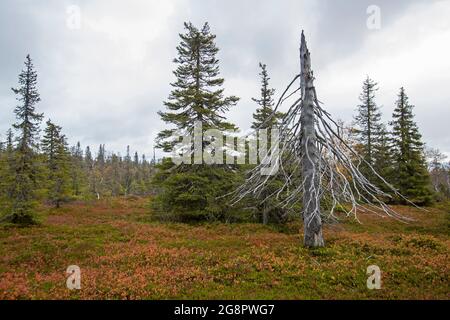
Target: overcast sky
{"x":105,"y":79}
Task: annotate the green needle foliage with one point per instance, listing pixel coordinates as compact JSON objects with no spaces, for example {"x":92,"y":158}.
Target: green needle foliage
{"x":190,"y":192}
{"x":198,"y":94}
{"x":264,"y":118}
{"x":57,"y":160}
{"x":25,"y":166}
{"x":265,"y":104}
{"x":369,"y":128}
{"x":410,"y":174}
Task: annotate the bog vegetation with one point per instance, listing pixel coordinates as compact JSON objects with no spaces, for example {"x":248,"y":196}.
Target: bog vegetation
{"x":125,"y":254}
{"x":147,"y":228}
{"x":38,"y":167}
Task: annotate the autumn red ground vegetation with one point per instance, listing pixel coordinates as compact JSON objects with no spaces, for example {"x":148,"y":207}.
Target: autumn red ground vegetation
{"x":124,"y":254}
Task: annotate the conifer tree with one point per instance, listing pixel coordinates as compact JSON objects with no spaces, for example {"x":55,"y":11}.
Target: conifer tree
{"x":9,"y":141}
{"x":77,"y":169}
{"x":88,"y":158}
{"x":136,"y":186}
{"x":101,"y":156}
{"x":410,"y":171}
{"x":114,"y":179}
{"x":264,"y":118}
{"x":25,"y":167}
{"x":89,"y":164}
{"x":368,"y":126}
{"x":265,"y":104}
{"x":128,"y":176}
{"x":190,"y":191}
{"x":6,"y":173}
{"x":54,"y":146}
{"x":197,"y":93}
{"x":3,"y":145}
{"x":97,"y":172}
{"x":153,"y":161}
{"x":136,"y":159}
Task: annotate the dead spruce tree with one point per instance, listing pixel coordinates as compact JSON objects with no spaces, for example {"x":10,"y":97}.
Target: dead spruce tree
{"x":317,"y":165}
{"x":310,"y":155}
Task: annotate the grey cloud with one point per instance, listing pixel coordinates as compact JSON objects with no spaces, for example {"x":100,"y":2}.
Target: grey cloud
{"x":105,"y":82}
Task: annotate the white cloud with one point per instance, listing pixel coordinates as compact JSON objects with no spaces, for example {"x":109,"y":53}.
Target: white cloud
{"x":411,"y":52}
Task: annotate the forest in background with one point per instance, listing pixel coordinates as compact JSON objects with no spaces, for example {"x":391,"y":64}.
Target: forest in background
{"x":137,"y":227}
{"x":39,"y":167}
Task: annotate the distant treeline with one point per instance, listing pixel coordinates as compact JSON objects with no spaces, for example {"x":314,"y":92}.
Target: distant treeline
{"x":35,"y":168}
{"x":190,"y":192}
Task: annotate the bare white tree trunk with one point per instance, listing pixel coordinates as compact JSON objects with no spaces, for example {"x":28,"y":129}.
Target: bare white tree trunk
{"x":316,"y":163}
{"x":310,"y":158}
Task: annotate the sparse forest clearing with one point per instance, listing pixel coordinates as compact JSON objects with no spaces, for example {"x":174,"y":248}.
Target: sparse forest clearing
{"x":213,"y":180}
{"x":123,"y":254}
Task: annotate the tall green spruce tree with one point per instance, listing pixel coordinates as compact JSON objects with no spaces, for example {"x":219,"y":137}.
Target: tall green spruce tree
{"x":25,"y":167}
{"x":265,"y":104}
{"x":263,"y":119}
{"x":190,"y":192}
{"x":194,"y":97}
{"x":57,"y":159}
{"x":369,"y":129}
{"x":410,"y":174}
{"x":77,"y":170}
{"x":128,"y":175}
